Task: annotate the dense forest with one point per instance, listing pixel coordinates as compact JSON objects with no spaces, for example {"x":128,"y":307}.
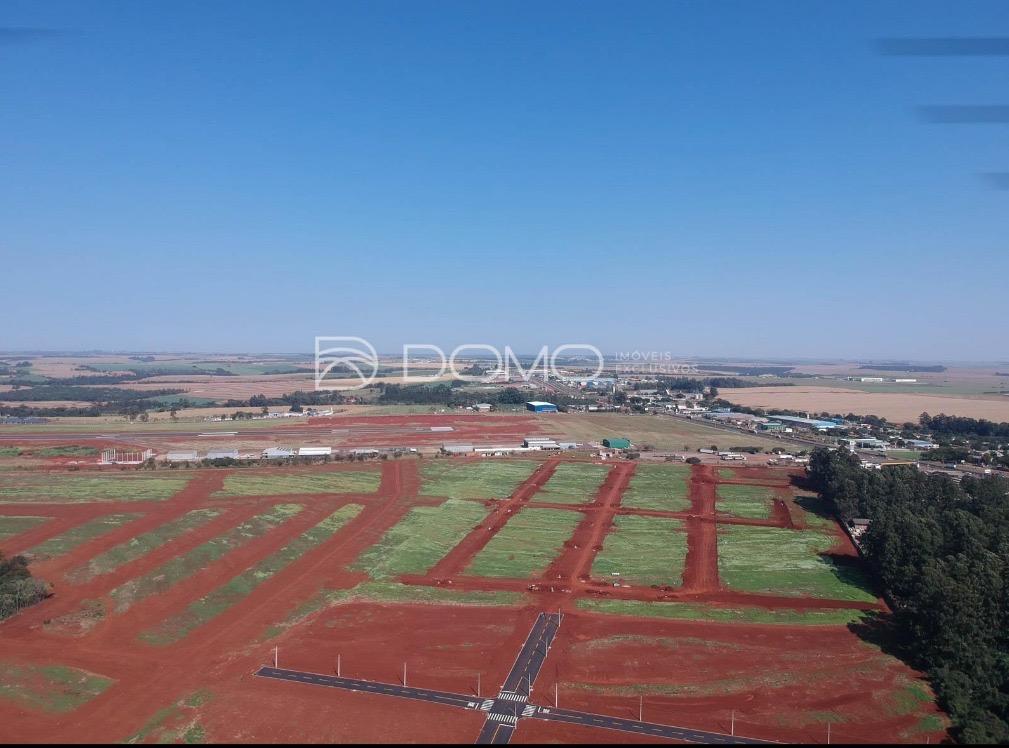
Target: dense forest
{"x":18,"y":589}
{"x":940,"y":551}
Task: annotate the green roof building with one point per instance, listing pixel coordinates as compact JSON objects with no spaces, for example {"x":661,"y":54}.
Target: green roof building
{"x":617,"y":443}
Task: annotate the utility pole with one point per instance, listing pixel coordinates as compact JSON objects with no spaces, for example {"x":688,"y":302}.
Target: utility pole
{"x":828,"y":733}
{"x":404,"y":674}
{"x":641,"y":708}
{"x":276,"y":656}
{"x":338,"y":675}
{"x":478,"y":685}
{"x":556,"y":694}
{"x":732,"y":724}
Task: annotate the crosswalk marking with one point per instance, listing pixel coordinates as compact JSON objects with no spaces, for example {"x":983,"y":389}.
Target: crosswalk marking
{"x":510,"y":719}
{"x":529,"y":710}
{"x":486,"y":705}
{"x":511,"y":696}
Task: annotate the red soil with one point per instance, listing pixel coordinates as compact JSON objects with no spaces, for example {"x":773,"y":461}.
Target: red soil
{"x":777,"y":678}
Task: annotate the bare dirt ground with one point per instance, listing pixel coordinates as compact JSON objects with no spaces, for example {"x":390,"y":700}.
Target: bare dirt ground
{"x":784,"y":682}
{"x":897,"y":407}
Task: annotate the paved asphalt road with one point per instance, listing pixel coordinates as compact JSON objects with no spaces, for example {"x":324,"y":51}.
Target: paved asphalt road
{"x":648,"y":729}
{"x":511,"y":704}
{"x":367,"y":686}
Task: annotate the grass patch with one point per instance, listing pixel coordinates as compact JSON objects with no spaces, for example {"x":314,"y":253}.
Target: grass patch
{"x":168,"y":574}
{"x":393,"y":592}
{"x":175,"y":723}
{"x":67,"y":541}
{"x":275,"y":484}
{"x":644,"y":550}
{"x":573,"y":483}
{"x":749,"y":502}
{"x":421,"y":539}
{"x":141,"y":545}
{"x":489,"y":479}
{"x":11,"y":526}
{"x":10,"y":451}
{"x":742,"y":614}
{"x":786,"y":562}
{"x":72,"y":450}
{"x":74,"y":489}
{"x":526,"y":545}
{"x":210,"y":606}
{"x":659,"y":487}
{"x":49,"y":688}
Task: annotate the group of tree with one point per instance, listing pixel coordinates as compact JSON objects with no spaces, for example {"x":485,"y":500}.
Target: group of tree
{"x":940,"y":552}
{"x":943,"y":425}
{"x":18,"y":589}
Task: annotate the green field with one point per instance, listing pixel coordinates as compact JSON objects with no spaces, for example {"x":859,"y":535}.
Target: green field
{"x":489,"y":479}
{"x":238,"y":588}
{"x":661,"y":487}
{"x":749,"y":502}
{"x":573,"y":483}
{"x":421,"y":539}
{"x":76,"y":536}
{"x":73,"y":489}
{"x":713,"y":614}
{"x":786,"y":562}
{"x":643,"y":551}
{"x":141,"y":545}
{"x":277,"y":484}
{"x":168,"y":574}
{"x":11,"y":526}
{"x":10,"y":451}
{"x":526,"y":545}
{"x":49,"y":688}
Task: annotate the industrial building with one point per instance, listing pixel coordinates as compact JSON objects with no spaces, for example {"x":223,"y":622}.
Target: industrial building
{"x":315,"y":451}
{"x":222,"y":454}
{"x":540,"y":442}
{"x":278,"y":453}
{"x":617,"y":443}
{"x":188,"y":456}
{"x":538,"y":406}
{"x":811,"y":424}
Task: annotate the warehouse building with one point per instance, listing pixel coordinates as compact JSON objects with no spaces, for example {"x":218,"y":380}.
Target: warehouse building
{"x":617,"y":443}
{"x":315,"y":451}
{"x":278,"y":453}
{"x":538,"y":406}
{"x":222,"y":454}
{"x":189,"y":456}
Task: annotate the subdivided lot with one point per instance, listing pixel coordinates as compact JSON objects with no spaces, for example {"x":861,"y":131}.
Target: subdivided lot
{"x":182,"y":567}
{"x":722,"y":614}
{"x":72,"y":489}
{"x":784,"y":683}
{"x":659,"y":487}
{"x":421,"y":539}
{"x":76,"y":536}
{"x":465,"y":479}
{"x":748,"y":502}
{"x":788,"y":562}
{"x":238,"y":588}
{"x":11,"y":526}
{"x":643,"y":551}
{"x":573,"y":483}
{"x":141,"y":545}
{"x":392,"y":592}
{"x":526,"y":545}
{"x":49,"y":688}
{"x":248,"y":483}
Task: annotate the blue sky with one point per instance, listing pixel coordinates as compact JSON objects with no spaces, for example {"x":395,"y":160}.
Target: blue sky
{"x":713,"y":178}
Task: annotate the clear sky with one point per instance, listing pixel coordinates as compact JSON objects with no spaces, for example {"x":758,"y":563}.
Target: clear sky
{"x":712,"y":178}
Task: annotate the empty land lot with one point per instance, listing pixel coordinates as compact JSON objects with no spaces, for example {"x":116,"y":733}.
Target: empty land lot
{"x":322,"y":569}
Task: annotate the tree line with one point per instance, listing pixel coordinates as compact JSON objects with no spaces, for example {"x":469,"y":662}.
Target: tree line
{"x":940,"y":552}
{"x":18,"y":589}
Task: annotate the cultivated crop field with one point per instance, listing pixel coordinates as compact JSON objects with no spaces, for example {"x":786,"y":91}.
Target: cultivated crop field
{"x":692,"y":592}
